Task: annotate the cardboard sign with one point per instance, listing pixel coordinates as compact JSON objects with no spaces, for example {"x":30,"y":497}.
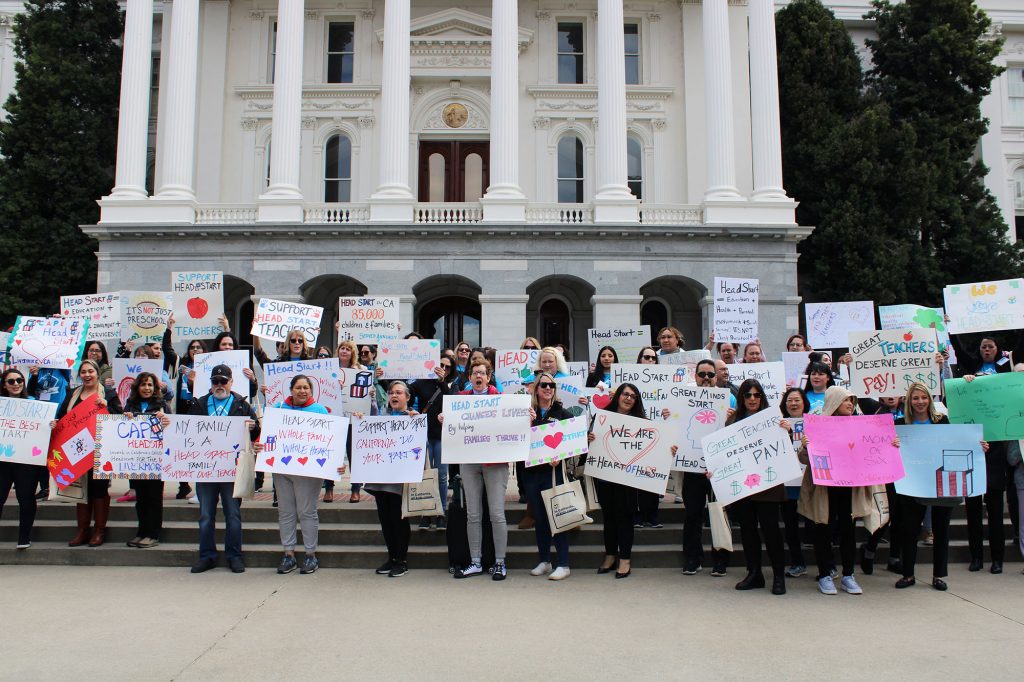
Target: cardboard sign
{"x":273,"y":320}
{"x":144,"y":315}
{"x":627,"y":341}
{"x":203,"y":364}
{"x":198,"y":299}
{"x":324,"y":376}
{"x":995,"y":401}
{"x":25,"y":430}
{"x":131,"y":448}
{"x":942,"y":460}
{"x":203,"y":449}
{"x":56,"y":342}
{"x":660,"y":385}
{"x":772,"y":376}
{"x":795,"y":365}
{"x":302,"y":443}
{"x":829,"y":324}
{"x":750,"y":456}
{"x":367,"y":319}
{"x":409,"y":358}
{"x":389,"y":449}
{"x":513,"y":367}
{"x":631,"y":451}
{"x":357,"y":390}
{"x":558,"y":440}
{"x":485,"y":429}
{"x":985,"y":306}
{"x":886,"y":362}
{"x":702,"y":411}
{"x":735,"y":309}
{"x":125,"y":370}
{"x":73,"y":443}
{"x":910,"y":316}
{"x":852,"y":451}
{"x":102,"y":310}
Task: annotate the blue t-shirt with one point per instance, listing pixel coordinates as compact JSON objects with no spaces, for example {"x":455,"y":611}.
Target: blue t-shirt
{"x":817,"y":401}
{"x":315,"y":408}
{"x":52,"y":384}
{"x":219,"y":408}
{"x":987,"y":368}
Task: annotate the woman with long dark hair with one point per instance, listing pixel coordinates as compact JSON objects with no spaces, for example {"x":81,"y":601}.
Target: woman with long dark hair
{"x":22,"y":476}
{"x":145,"y":398}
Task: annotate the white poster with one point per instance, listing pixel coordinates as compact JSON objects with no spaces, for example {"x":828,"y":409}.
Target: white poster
{"x":485,"y":429}
{"x":795,"y":366}
{"x":702,"y":411}
{"x":389,"y":449}
{"x":237,"y":360}
{"x":885,"y":363}
{"x":659,"y":384}
{"x":144,"y":315}
{"x":125,"y":370}
{"x":198,"y":304}
{"x":632,"y":451}
{"x":302,"y":443}
{"x":203,"y":449}
{"x":735,"y":309}
{"x":512,"y":367}
{"x":102,"y":310}
{"x":985,"y":306}
{"x":555,"y":441}
{"x":829,"y":324}
{"x":772,"y":376}
{"x":129,"y":448}
{"x":324,"y":375}
{"x":273,"y":320}
{"x":627,"y":341}
{"x":368,"y":319}
{"x":357,"y":388}
{"x":25,"y":430}
{"x":409,"y":358}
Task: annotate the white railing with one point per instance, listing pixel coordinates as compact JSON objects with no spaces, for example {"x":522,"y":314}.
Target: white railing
{"x":651,"y":214}
{"x":330,"y":214}
{"x":448,"y":214}
{"x":572,"y":214}
{"x":226,"y":214}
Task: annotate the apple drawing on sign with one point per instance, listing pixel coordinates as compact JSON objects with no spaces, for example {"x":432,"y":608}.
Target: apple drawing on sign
{"x":908,"y":336}
{"x":197,"y":308}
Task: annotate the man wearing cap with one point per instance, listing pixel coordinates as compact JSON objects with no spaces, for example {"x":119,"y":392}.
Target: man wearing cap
{"x":221,"y":401}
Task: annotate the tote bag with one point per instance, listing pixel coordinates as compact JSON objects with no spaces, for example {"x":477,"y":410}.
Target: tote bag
{"x":565,"y":504}
{"x":721,"y":533}
{"x":423,"y":498}
{"x":592,"y":503}
{"x":245,"y":474}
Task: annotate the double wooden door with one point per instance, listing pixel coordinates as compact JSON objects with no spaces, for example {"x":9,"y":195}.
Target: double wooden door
{"x":453,"y":170}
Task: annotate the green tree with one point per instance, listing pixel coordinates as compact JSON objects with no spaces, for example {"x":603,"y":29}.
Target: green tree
{"x":58,"y":147}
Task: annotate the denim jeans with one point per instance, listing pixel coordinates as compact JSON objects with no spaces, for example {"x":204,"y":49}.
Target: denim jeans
{"x":536,"y":480}
{"x":434,"y":453}
{"x":208,"y":495}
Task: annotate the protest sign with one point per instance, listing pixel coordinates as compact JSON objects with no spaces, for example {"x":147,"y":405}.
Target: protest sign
{"x":600,"y":397}
{"x":73,"y":442}
{"x":512,"y":367}
{"x":273,"y":320}
{"x":794,"y":364}
{"x":659,"y":384}
{"x":324,"y":376}
{"x":485,"y":429}
{"x":302,"y":443}
{"x":908,"y":315}
{"x":702,"y":411}
{"x":357,"y":389}
{"x":569,"y":390}
{"x":409,"y":358}
{"x":632,"y":451}
{"x":750,"y":456}
{"x":5,"y":340}
{"x":198,"y":299}
{"x":797,"y":424}
{"x":985,"y":306}
{"x":389,"y":449}
{"x":886,"y":362}
{"x":25,"y":430}
{"x":128,"y":447}
{"x":367,"y":319}
{"x":55,"y":342}
{"x":772,"y":376}
{"x":852,"y":451}
{"x":942,"y":460}
{"x":555,"y":441}
{"x":735,"y":309}
{"x":994,"y":400}
{"x":102,"y":310}
{"x":687,"y":358}
{"x":579,"y":369}
{"x":203,"y":449}
{"x":627,"y":341}
{"x":203,"y":364}
{"x":144,"y":315}
{"x":126,"y":369}
{"x":829,"y":324}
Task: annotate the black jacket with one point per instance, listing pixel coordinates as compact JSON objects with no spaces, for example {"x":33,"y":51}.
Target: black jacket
{"x":423,"y":391}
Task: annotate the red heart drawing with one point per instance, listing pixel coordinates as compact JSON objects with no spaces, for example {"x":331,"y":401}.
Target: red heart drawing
{"x":303,"y":460}
{"x":429,"y":364}
{"x":17,"y":342}
{"x":36,"y":451}
{"x":71,"y":362}
{"x":851,"y":445}
{"x":108,"y":467}
{"x":602,"y":401}
{"x":269,"y":461}
{"x":67,"y":312}
{"x":384,"y":351}
{"x":640,"y":455}
{"x":553,"y":440}
{"x":602,"y":418}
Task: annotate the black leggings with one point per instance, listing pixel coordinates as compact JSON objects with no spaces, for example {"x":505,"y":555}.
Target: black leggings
{"x":149,"y":508}
{"x":840,"y":509}
{"x":913,"y":517}
{"x":23,"y":477}
{"x":646,"y":507}
{"x":395,"y":528}
{"x":618,"y":502}
{"x":993,"y":503}
{"x":752,"y":514}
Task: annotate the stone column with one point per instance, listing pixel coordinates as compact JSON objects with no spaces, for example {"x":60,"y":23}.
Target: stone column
{"x":721,"y":147}
{"x":407,"y":313}
{"x":133,"y":115}
{"x":503,"y":319}
{"x":179,"y":140}
{"x":617,"y":310}
{"x":764,"y":103}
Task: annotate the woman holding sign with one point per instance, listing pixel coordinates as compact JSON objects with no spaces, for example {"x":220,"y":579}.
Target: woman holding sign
{"x":606,"y":357}
{"x":149,"y":494}
{"x":348,"y":358}
{"x":22,"y":476}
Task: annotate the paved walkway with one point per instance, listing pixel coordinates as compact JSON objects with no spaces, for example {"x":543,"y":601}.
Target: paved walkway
{"x":166,"y":624}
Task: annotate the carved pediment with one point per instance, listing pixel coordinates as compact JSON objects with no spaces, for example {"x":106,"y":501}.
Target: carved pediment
{"x":454,"y":26}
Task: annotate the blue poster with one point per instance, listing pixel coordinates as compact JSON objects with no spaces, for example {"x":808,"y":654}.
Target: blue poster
{"x":942,"y":460}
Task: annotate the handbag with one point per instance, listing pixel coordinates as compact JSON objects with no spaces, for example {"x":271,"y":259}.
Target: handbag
{"x":591,"y":492}
{"x":565,"y":504}
{"x":721,"y":532}
{"x":76,"y":493}
{"x":245,"y":474}
{"x":423,"y":498}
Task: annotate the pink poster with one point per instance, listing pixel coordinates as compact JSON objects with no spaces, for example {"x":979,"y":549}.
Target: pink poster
{"x":852,"y":451}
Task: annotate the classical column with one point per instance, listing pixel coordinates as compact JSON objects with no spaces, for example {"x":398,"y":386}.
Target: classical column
{"x":133,"y":114}
{"x":613,"y":202}
{"x":765,"y":129}
{"x":179,"y":120}
{"x":721,"y":149}
{"x":502,"y":319}
{"x":617,"y":310}
{"x":504,"y":200}
{"x":393,"y":201}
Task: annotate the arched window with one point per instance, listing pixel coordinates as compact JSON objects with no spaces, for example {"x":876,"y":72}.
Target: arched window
{"x":570,"y":170}
{"x":635,"y":166}
{"x":654,"y":313}
{"x":338,"y":170}
{"x":1018,"y":188}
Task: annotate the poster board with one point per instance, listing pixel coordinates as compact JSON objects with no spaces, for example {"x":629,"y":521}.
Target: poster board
{"x":203,"y":449}
{"x":485,"y":429}
{"x":198,"y":300}
{"x":368,"y":319}
{"x":389,"y":449}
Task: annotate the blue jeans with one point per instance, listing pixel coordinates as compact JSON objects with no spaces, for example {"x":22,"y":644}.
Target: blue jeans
{"x":434,"y":454}
{"x":538,"y":478}
{"x":208,"y":494}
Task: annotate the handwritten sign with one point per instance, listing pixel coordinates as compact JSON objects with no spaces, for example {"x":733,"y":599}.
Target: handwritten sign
{"x":886,"y":362}
{"x":702,"y":411}
{"x":198,"y":299}
{"x":102,"y":310}
{"x":794,"y":364}
{"x":237,"y":360}
{"x":579,"y":369}
{"x":569,"y":391}
{"x":852,"y":451}
{"x":829,"y":324}
{"x":55,"y":342}
{"x":558,"y":440}
{"x":73,"y":442}
{"x":600,"y":397}
{"x":128,"y":447}
{"x":513,"y":367}
{"x":750,"y":456}
{"x":631,"y":451}
{"x":735,"y":309}
{"x":409,"y":358}
{"x":389,"y":449}
{"x":686,"y":358}
{"x":324,"y":375}
{"x":144,"y":315}
{"x":660,"y":385}
{"x":994,"y":401}
{"x":367,"y":319}
{"x":126,"y":369}
{"x":273,"y":320}
{"x":302,"y":443}
{"x":357,"y":389}
{"x":485,"y":429}
{"x":942,"y":460}
{"x":985,"y":306}
{"x":772,"y":376}
{"x":204,"y":449}
{"x":25,"y":430}
{"x":627,"y":341}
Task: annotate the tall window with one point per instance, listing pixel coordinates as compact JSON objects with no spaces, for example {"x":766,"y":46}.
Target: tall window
{"x":635,"y":167}
{"x":340,"y":51}
{"x":338,"y":170}
{"x":154,"y":85}
{"x":632,"y":41}
{"x":570,"y":52}
{"x":266,"y":176}
{"x":570,"y":170}
{"x":1018,"y":189}
{"x":272,"y":61}
{"x":1015,"y":74}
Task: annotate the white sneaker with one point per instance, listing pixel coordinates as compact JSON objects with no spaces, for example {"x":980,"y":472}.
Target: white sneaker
{"x":826,"y":585}
{"x":194,"y":499}
{"x":560,"y":573}
{"x":543,"y":568}
{"x":849,"y":585}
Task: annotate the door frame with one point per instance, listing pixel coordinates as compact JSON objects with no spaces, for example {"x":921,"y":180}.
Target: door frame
{"x":455,"y":153}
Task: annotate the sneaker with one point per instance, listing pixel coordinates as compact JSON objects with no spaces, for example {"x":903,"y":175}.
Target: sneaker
{"x":796,"y":571}
{"x":146,"y":543}
{"x":287,"y":565}
{"x":424,"y":523}
{"x":692,"y":567}
{"x":679,"y":500}
{"x":134,"y":542}
{"x":127,"y":497}
{"x":398,"y":570}
{"x":638,"y":524}
{"x":560,"y":573}
{"x":385,"y":568}
{"x":309,"y":565}
{"x":184,"y":490}
{"x":43,"y":494}
{"x":441,"y":523}
{"x":927,"y":537}
{"x":719,"y":571}
{"x":194,"y":499}
{"x":274,"y":504}
{"x":543,"y":568}
{"x":849,"y":584}
{"x":833,"y":573}
{"x":826,"y":585}
{"x":469,"y":571}
{"x":25,"y":544}
{"x":656,"y":524}
{"x":203,"y":565}
{"x":499,"y":572}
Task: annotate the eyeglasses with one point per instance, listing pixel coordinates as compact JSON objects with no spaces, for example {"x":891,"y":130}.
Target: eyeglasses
{"x":628,"y":396}
{"x":545,"y":384}
{"x":479,"y":374}
{"x":14,"y":382}
{"x":648,"y":357}
{"x":752,"y":394}
{"x":706,"y":375}
{"x":364,"y":352}
{"x":220,"y":381}
{"x":193,"y":348}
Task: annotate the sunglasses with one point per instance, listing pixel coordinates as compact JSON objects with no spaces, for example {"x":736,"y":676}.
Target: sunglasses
{"x":322,"y":355}
{"x":14,"y":382}
{"x":706,"y":375}
{"x":752,"y":394}
{"x":648,"y":357}
{"x":219,"y":381}
{"x":364,"y":352}
{"x":545,"y":384}
{"x":295,"y":340}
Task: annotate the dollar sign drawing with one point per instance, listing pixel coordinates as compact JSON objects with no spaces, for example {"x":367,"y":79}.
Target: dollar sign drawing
{"x":770,"y":475}
{"x":736,"y":488}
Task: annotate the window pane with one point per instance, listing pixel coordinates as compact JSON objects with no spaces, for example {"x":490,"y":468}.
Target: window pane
{"x":334,"y":68}
{"x":567,"y":192}
{"x":579,"y":191}
{"x":474,"y":178}
{"x":579,"y":158}
{"x":339,"y":36}
{"x":345,"y":157}
{"x":636,"y":188}
{"x":632,"y":70}
{"x":634,"y":157}
{"x":346,"y":68}
{"x":632,"y":38}
{"x":331,"y":191}
{"x":567,"y":157}
{"x":437,"y":177}
{"x":568,"y":71}
{"x":570,"y":38}
{"x":570,"y":53}
{"x":1015,"y":75}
